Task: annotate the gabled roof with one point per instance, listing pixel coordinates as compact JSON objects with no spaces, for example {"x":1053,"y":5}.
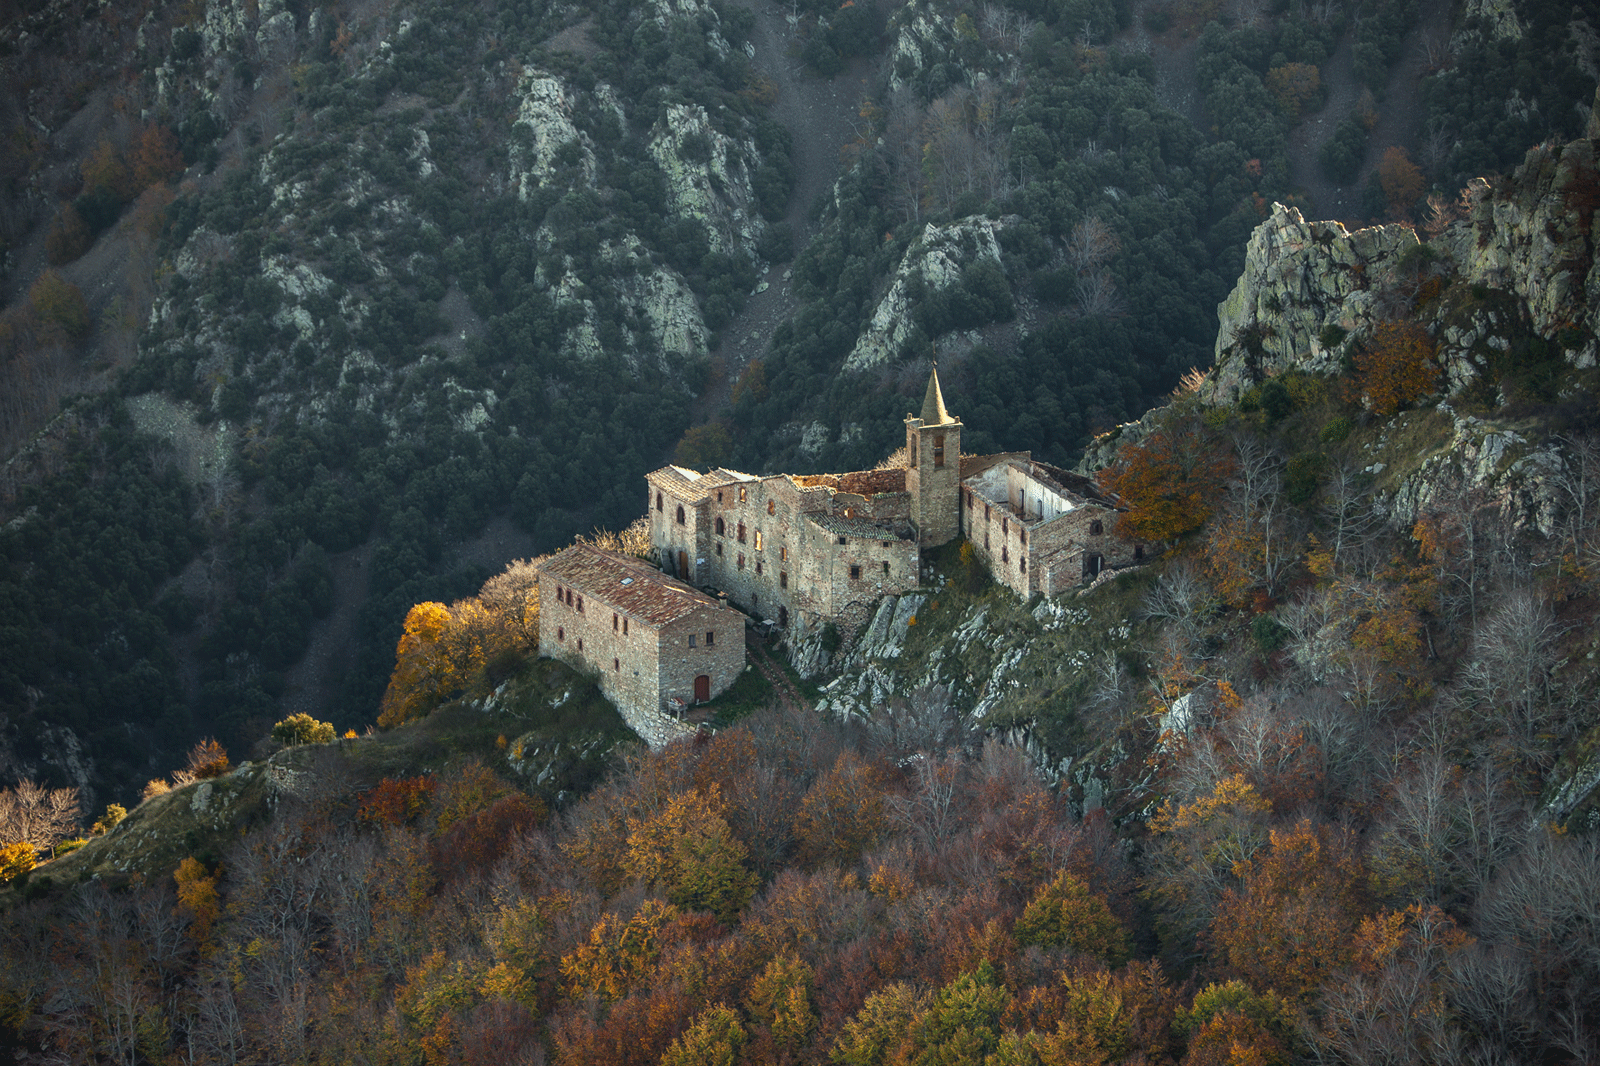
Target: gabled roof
{"x":691,"y":485}
{"x":626,"y":584}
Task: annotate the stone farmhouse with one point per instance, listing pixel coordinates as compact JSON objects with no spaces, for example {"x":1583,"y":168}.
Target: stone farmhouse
{"x":804,"y":550}
{"x":655,"y":644}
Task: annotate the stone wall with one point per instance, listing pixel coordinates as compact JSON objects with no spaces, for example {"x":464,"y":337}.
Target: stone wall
{"x":620,"y":651}
{"x":682,"y":661}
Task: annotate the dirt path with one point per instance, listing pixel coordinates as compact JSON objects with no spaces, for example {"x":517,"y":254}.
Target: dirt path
{"x":822,"y":116}
{"x":789,"y":697}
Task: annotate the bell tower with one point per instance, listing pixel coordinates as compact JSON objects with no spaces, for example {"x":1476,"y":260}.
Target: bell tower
{"x":933,"y":477}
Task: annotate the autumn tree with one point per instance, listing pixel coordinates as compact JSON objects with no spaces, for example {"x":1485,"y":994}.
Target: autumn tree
{"x":425,"y":670}
{"x":619,"y":952}
{"x":208,"y":758}
{"x":302,"y":729}
{"x":106,"y":172}
{"x":714,"y":1038}
{"x":198,"y":900}
{"x":842,"y":814}
{"x":1395,"y":366}
{"x":1231,"y":1024}
{"x":1401,"y":180}
{"x":687,"y":850}
{"x":154,"y":157}
{"x":1170,"y":482}
{"x":1288,"y":926}
{"x":1065,"y":913}
{"x":68,"y":237}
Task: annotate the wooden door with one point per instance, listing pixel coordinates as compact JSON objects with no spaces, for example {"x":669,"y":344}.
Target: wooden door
{"x":702,"y":688}
{"x":683,"y":566}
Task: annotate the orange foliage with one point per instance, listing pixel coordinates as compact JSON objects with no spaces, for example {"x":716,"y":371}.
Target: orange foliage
{"x":198,"y":900}
{"x":842,"y":814}
{"x":429,"y":664}
{"x":1401,"y":180}
{"x":208,"y":759}
{"x":477,"y":841}
{"x":397,"y":802}
{"x":618,"y":954}
{"x":1294,"y":86}
{"x":155,"y":158}
{"x":1065,"y":913}
{"x":106,"y":170}
{"x":1291,"y":924}
{"x":1169,"y":481}
{"x":1396,"y":366}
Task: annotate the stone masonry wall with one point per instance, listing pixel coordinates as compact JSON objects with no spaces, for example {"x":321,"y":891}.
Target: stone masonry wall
{"x":722,"y":660}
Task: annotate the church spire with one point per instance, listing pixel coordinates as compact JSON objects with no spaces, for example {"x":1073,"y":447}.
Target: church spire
{"x":933,"y":412}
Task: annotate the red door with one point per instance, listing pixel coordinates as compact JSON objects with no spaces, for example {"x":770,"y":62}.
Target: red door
{"x":702,"y":688}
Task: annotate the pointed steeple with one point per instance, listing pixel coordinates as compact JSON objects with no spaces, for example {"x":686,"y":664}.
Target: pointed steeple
{"x":933,"y":412}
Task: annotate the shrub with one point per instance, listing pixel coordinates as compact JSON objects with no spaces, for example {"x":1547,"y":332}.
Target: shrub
{"x":59,"y":304}
{"x":153,"y":788}
{"x":16,"y":859}
{"x":68,"y":238}
{"x":208,"y":759}
{"x":302,"y":729}
{"x":115,"y":813}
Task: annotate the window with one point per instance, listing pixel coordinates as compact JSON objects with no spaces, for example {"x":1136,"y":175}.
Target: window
{"x":680,"y":514}
{"x":758,"y":566}
{"x":855,"y":573}
{"x":569,"y":597}
{"x":741,"y":532}
{"x":1022,"y":564}
{"x":721,"y":528}
{"x":849,"y":512}
{"x":616,"y":664}
{"x":580,"y":604}
{"x":913,"y":451}
{"x":744,"y":494}
{"x":986,"y":512}
{"x":624,"y":627}
{"x":783,"y":553}
{"x":711,"y":637}
{"x":658,"y":501}
{"x":691,"y":640}
{"x":1138,"y":552}
{"x":741,"y":560}
{"x":886,"y":568}
{"x":755,"y":601}
{"x":1092,"y":565}
{"x":719,"y":547}
{"x":561,"y":634}
{"x":580,"y":643}
{"x":1097,"y":528}
{"x":616,"y":623}
{"x":843,"y":539}
{"x":1005,"y":527}
{"x":1022,"y":537}
{"x":1005,"y":554}
{"x":759,"y":542}
{"x":783,"y":579}
{"x":771,"y":506}
{"x":719,"y":495}
{"x":938,"y":449}
{"x":969,"y":499}
{"x":986,"y":540}
{"x":560,"y":593}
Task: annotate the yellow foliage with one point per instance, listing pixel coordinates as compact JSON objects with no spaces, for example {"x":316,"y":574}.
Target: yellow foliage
{"x":198,"y":900}
{"x":618,"y":954}
{"x":16,"y":859}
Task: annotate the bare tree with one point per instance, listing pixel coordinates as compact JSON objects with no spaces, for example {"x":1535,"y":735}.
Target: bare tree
{"x":1512,"y":672}
{"x":1349,"y":518}
{"x":33,"y":814}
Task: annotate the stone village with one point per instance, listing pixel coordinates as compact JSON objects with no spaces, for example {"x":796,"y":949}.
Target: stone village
{"x":802,"y":551}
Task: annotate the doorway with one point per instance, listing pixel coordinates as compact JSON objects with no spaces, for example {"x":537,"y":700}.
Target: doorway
{"x":702,"y":688}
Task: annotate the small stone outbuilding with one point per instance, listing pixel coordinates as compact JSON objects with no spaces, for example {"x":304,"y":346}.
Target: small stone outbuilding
{"x":655,"y":644}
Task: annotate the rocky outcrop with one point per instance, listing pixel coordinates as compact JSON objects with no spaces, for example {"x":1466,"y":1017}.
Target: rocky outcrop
{"x":708,"y":176}
{"x":541,"y":131}
{"x":936,"y":259}
{"x":1534,"y":236}
{"x":1299,"y":279}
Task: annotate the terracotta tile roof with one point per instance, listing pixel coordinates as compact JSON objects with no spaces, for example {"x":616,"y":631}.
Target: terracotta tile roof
{"x":626,"y":584}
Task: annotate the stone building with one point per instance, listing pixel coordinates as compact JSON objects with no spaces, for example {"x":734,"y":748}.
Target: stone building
{"x":806,"y":550}
{"x":1039,"y":528}
{"x":655,"y":644}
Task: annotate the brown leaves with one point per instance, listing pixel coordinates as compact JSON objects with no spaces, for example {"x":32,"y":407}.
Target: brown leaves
{"x":1169,"y":481}
{"x":1395,"y":367}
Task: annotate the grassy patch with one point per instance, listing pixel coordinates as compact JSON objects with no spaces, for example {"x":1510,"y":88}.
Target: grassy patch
{"x":741,"y":699}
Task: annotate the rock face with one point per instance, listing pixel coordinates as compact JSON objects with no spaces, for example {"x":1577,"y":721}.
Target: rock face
{"x":1300,"y":278}
{"x":936,"y":258}
{"x":542,"y":129}
{"x":708,"y":176}
{"x":1534,"y":237}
